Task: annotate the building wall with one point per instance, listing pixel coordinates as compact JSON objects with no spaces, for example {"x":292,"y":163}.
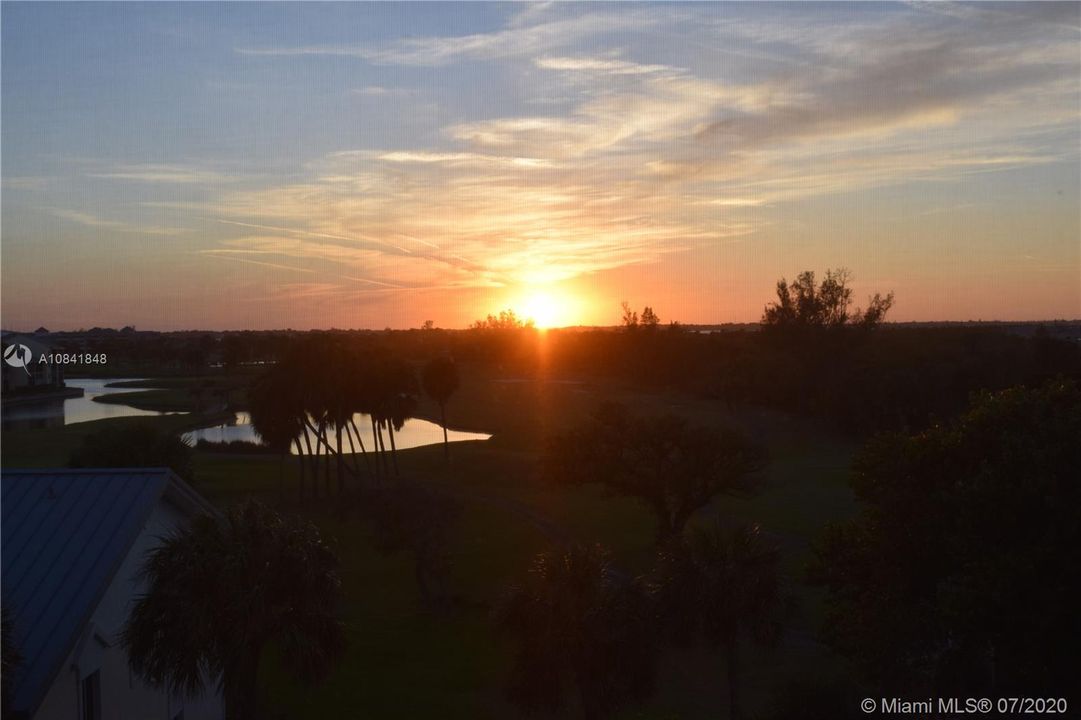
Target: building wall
{"x":123,"y":696}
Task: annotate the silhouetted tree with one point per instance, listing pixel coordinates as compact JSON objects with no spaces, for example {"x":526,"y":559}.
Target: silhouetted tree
{"x":827,"y":304}
{"x":440,"y":380}
{"x":630,"y":317}
{"x":584,"y":636}
{"x":316,"y":390}
{"x":277,"y":416}
{"x":222,"y":591}
{"x":649,"y":319}
{"x":959,"y":574}
{"x":672,"y":466}
{"x":722,"y":587}
{"x":505,"y":320}
{"x":409,"y":516}
{"x":395,"y":399}
{"x":134,"y":445}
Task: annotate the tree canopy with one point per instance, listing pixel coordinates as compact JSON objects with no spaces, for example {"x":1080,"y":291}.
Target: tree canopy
{"x":960,"y":572}
{"x":584,"y":635}
{"x":803,"y":303}
{"x":722,"y":587}
{"x":440,"y":380}
{"x":505,"y":320}
{"x":221,"y":591}
{"x":672,"y":466}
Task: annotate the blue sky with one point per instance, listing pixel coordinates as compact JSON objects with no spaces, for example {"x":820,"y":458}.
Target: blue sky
{"x":213,"y":165}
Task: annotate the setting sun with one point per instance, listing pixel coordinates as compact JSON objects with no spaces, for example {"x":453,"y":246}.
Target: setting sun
{"x":545,"y":309}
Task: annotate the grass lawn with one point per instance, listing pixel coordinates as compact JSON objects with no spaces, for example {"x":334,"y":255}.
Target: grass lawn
{"x":172,"y":400}
{"x":404,"y":661}
{"x":180,"y":394}
{"x":51,"y":447}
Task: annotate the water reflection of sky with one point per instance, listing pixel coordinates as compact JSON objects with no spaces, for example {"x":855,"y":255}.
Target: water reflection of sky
{"x":415,"y":433}
{"x":54,"y":413}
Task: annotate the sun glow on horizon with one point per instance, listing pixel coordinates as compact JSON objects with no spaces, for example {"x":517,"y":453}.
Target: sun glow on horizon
{"x":547,"y":309}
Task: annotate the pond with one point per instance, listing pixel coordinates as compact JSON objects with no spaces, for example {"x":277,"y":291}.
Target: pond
{"x":57,"y":413}
{"x":415,"y":433}
{"x":60,"y":412}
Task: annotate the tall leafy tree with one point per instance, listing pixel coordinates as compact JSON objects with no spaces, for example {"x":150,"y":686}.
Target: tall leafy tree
{"x":805,"y":303}
{"x":584,"y":636}
{"x":649,"y":319}
{"x":440,"y":378}
{"x":629,"y":317}
{"x":277,"y":416}
{"x":396,"y":399}
{"x":724,"y":588}
{"x":959,"y":574}
{"x":673,"y":467}
{"x":222,"y":591}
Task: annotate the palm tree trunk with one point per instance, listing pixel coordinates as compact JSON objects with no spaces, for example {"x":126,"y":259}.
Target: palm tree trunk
{"x":733,"y":679}
{"x":315,"y":466}
{"x":326,"y":460}
{"x":353,"y":451}
{"x":241,"y":690}
{"x":360,"y":441}
{"x":443,"y":421}
{"x":300,"y":464}
{"x":393,"y":449}
{"x":375,"y":447}
{"x":383,"y":449}
{"x":341,"y":460}
{"x":281,"y":474}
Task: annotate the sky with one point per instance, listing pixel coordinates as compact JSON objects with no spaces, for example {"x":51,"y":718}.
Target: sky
{"x":261,"y":166}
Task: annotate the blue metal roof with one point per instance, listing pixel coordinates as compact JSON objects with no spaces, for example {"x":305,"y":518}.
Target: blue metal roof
{"x":63,"y":536}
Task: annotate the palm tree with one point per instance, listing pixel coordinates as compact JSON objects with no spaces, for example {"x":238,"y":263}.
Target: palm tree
{"x":276,"y":415}
{"x":440,"y":379}
{"x":223,"y":590}
{"x":397,"y":399}
{"x":583,"y":634}
{"x":414,"y":517}
{"x":722,"y":586}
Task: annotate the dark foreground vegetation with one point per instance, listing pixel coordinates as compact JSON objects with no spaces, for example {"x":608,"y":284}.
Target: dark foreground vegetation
{"x":768,"y":523}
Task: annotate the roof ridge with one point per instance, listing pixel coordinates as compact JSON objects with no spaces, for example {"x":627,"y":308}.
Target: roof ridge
{"x":86,"y":471}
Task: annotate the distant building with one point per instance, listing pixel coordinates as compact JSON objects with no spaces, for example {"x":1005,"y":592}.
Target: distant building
{"x":73,"y":542}
{"x":34,"y":375}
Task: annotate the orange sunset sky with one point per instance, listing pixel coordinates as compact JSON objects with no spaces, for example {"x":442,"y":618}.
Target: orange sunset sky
{"x":233,"y":166}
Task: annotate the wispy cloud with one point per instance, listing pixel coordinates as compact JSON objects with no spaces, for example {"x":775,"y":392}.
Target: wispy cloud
{"x":651,"y":159}
{"x":89,"y":220}
{"x":610,"y":66}
{"x":161,"y":174}
{"x":381,"y":91}
{"x":27,"y":182}
{"x":516,"y":40}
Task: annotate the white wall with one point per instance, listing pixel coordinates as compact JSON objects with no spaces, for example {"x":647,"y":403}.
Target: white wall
{"x":123,"y":696}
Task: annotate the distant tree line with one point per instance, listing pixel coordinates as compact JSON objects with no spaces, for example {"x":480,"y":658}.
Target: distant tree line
{"x":309,"y":403}
{"x":816,"y":355}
